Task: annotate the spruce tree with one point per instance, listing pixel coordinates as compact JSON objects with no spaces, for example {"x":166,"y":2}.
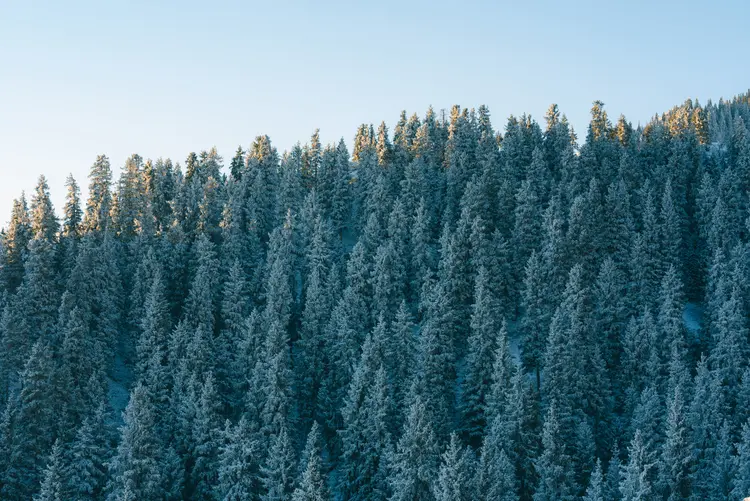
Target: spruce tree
{"x":235,"y":306}
{"x":237,"y":469}
{"x":32,"y":425}
{"x":312,"y":485}
{"x":415,"y":462}
{"x":365,"y":437}
{"x":454,"y":480}
{"x":278,"y":473}
{"x":596,"y":489}
{"x":401,"y":354}
{"x":99,"y":202}
{"x":723,"y":468}
{"x":44,"y":223}
{"x":554,"y":467}
{"x":635,"y":484}
{"x":15,"y":242}
{"x":675,"y":463}
{"x":536,"y":318}
{"x":614,"y":471}
{"x":52,"y":483}
{"x":205,"y":438}
{"x":141,"y":466}
{"x":484,"y":330}
{"x":435,"y":373}
{"x":86,"y":469}
{"x":705,"y":417}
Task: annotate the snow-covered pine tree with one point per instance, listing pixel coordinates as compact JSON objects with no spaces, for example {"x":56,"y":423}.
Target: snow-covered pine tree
{"x":454,"y":481}
{"x":312,"y":485}
{"x":416,"y":460}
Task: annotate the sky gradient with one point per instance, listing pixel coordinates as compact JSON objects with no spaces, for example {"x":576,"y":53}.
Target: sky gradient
{"x":78,"y":79}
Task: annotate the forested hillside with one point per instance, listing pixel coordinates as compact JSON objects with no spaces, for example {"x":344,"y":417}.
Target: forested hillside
{"x":448,"y":312}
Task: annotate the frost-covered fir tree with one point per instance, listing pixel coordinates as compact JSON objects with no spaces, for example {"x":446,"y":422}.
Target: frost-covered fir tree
{"x":554,"y":466}
{"x":313,"y":482}
{"x":454,"y":480}
{"x":143,"y":466}
{"x":279,"y":472}
{"x":635,"y":484}
{"x":416,"y":460}
{"x":52,"y":483}
{"x":479,"y":360}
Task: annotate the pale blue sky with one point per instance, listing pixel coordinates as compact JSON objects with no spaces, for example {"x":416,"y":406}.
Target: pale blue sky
{"x":165,"y":78}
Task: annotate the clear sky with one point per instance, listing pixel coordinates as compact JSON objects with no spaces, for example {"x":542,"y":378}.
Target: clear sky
{"x":165,"y":78}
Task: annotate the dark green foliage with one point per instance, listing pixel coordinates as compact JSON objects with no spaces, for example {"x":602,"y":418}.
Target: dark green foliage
{"x":448,"y":313}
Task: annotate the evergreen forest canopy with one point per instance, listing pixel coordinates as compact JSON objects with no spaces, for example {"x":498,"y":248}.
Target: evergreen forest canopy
{"x":449,"y":313}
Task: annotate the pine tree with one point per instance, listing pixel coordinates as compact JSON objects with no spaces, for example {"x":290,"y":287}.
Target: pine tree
{"x":669,"y":319}
{"x":291,"y":188}
{"x":705,"y":417}
{"x":635,"y":484}
{"x":620,"y":227}
{"x":536,"y":318}
{"x":86,"y":470}
{"x":422,"y":253}
{"x":312,"y":485}
{"x":313,"y":340}
{"x":279,"y":471}
{"x":647,"y":420}
{"x":554,"y":465}
{"x":415,"y":462}
{"x":155,"y":325}
{"x":312,"y":158}
{"x":141,"y":466}
{"x":729,"y":353}
{"x":648,"y":263}
{"x":343,"y":352}
{"x":130,"y":201}
{"x":570,"y":359}
{"x":454,"y":478}
{"x":498,"y":478}
{"x":237,"y":166}
{"x":71,"y":227}
{"x":238,"y":476}
{"x":671,"y":229}
{"x":52,"y":482}
{"x":484,"y":329}
{"x":527,"y":226}
{"x":676,"y":457}
{"x":596,"y":489}
{"x":610,"y":310}
{"x":723,"y":468}
{"x":235,"y":305}
{"x":401,"y":354}
{"x":435,"y":376}
{"x":614,"y":470}
{"x":365,"y":437}
{"x":205,"y":438}
{"x":15,"y":242}
{"x":32,"y":425}
{"x":32,"y":312}
{"x":43,"y":220}
{"x":342,"y":204}
{"x":387,"y":278}
{"x":100,"y":198}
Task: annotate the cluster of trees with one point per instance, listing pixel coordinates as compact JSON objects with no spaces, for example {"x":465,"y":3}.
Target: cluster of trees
{"x":444,"y":313}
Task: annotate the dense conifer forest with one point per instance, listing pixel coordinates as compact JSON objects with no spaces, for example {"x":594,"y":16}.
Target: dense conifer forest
{"x":453,"y":311}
